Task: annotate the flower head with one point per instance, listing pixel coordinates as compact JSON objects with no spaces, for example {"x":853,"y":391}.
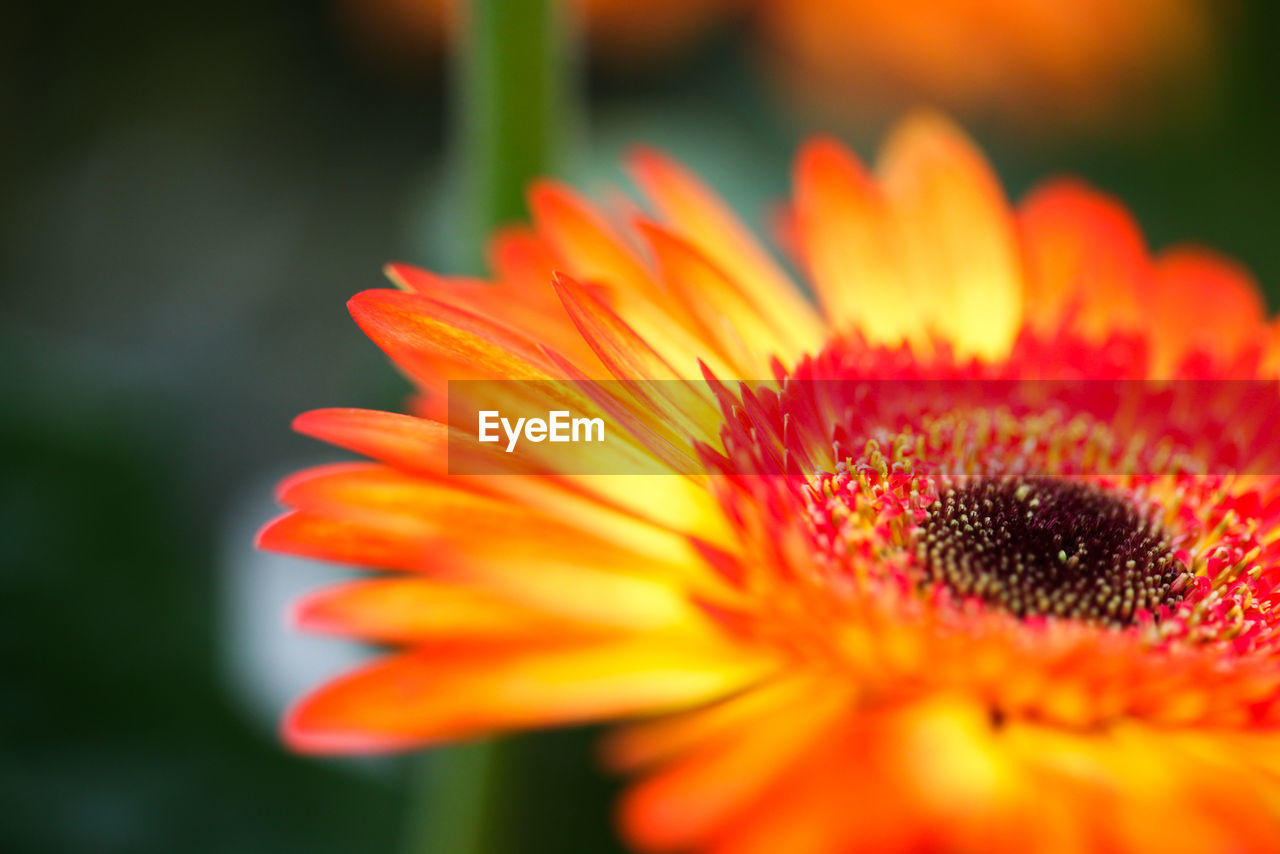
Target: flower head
{"x":980,"y":554}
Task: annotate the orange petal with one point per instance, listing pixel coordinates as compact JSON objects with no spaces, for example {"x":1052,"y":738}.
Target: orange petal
{"x":419,"y":698}
{"x":434,"y":341}
{"x":1085,"y":255}
{"x":414,"y":610}
{"x":593,"y":255}
{"x":514,"y":303}
{"x":746,"y":335}
{"x":354,"y":543}
{"x":624,"y":353}
{"x":817,"y":805}
{"x":651,"y":515}
{"x":412,"y":444}
{"x":955,"y":233}
{"x":803,"y":814}
{"x":367,"y":489}
{"x":583,"y":242}
{"x":516,"y":255}
{"x":659,"y":443}
{"x":403,"y":441}
{"x":602,"y":568}
{"x":413,"y":279}
{"x":648,"y":743}
{"x":683,"y":805}
{"x":629,"y":357}
{"x":450,"y":523}
{"x":843,"y":237}
{"x":1203,"y":300}
{"x":623,"y":594}
{"x":698,"y":216}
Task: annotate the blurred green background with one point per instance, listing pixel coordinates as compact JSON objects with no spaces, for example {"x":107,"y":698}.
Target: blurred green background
{"x":188,"y":196}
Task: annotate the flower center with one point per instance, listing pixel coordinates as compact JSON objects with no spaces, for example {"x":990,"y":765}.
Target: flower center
{"x":1049,"y":546}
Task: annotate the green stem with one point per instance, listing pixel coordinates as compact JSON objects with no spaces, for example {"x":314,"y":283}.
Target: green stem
{"x":515,"y":95}
{"x":451,"y":800}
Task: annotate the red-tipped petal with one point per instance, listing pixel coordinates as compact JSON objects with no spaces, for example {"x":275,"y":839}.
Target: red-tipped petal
{"x":840,"y":229}
{"x":403,"y":441}
{"x":1085,"y":255}
{"x":358,"y":544}
{"x":695,"y":212}
{"x":956,"y":239}
{"x":1203,"y":301}
{"x":434,"y":341}
{"x":583,"y":241}
{"x":418,"y":610}
{"x":422,"y":697}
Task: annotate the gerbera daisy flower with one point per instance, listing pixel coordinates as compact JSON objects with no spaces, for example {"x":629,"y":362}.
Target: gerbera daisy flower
{"x":1023,"y":610}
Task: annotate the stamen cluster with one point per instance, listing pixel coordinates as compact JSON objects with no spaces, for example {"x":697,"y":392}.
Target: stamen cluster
{"x":1049,"y":546}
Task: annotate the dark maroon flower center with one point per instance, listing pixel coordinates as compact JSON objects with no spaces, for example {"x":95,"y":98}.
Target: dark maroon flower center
{"x":1049,"y":546}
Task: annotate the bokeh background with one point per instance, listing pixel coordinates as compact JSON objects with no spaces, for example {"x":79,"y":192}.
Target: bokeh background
{"x":188,"y":195}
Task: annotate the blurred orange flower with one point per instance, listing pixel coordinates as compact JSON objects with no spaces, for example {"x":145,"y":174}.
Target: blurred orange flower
{"x":1036,"y":62}
{"x":1029,"y":63}
{"x":845,"y":621}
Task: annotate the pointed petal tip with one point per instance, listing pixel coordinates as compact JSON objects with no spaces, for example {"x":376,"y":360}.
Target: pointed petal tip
{"x":301,"y":735}
{"x":1069,"y":191}
{"x":641,"y":153}
{"x":312,"y":422}
{"x":402,"y":275}
{"x":544,"y":193}
{"x":648,"y":165}
{"x":367,"y":303}
{"x":312,"y":612}
{"x":267,"y":537}
{"x":299,"y":480}
{"x":926,"y":114}
{"x":821,"y":144}
{"x":324,"y":423}
{"x":563,"y":282}
{"x":928,"y":135}
{"x":824,"y":162}
{"x":929,"y":123}
{"x":823,"y":147}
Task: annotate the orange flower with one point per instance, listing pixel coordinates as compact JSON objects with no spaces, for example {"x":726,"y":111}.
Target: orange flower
{"x":1020,"y":611}
{"x":1031,"y":63}
{"x":1036,"y":61}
